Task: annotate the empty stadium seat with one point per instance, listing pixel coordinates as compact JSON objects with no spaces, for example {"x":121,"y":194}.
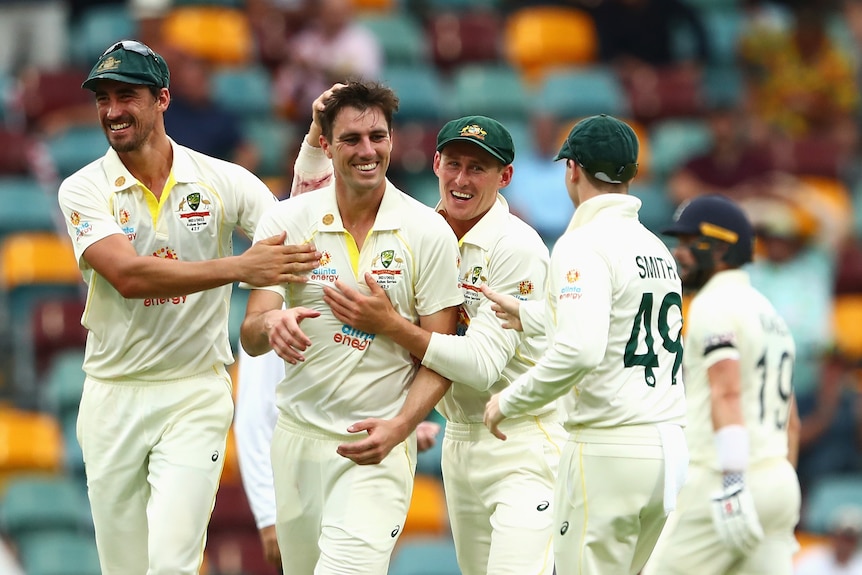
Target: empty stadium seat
{"x":39,"y":504}
{"x":25,"y":206}
{"x":539,"y":38}
{"x":458,"y":38}
{"x":847,"y":319}
{"x":64,"y":384}
{"x":56,"y":327}
{"x":98,"y":27}
{"x":246,"y":90}
{"x":672,"y":142}
{"x":216,"y":33}
{"x":657,"y":94}
{"x":426,"y":556}
{"x":421,"y":92}
{"x":72,"y":149}
{"x":273,"y":138}
{"x":413,"y":153}
{"x":29,"y":442}
{"x":491,"y":90}
{"x":44,"y":93}
{"x":401,"y":37}
{"x":60,"y":554}
{"x":15,"y":147}
{"x":427,"y":514}
{"x":583,"y":91}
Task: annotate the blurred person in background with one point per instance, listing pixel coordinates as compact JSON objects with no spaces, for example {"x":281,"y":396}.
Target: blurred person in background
{"x":841,"y":554}
{"x":331,"y":48}
{"x":196,"y":120}
{"x":33,"y":33}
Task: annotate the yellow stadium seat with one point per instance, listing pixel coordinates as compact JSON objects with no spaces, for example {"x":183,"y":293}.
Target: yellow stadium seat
{"x":427,"y":515}
{"x":218,"y":34}
{"x":847,"y":319}
{"x":374,"y":5}
{"x":29,"y":442}
{"x":37,"y":258}
{"x":542,"y":37}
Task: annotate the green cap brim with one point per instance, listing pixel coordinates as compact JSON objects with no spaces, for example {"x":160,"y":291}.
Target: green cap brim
{"x":477,"y":142}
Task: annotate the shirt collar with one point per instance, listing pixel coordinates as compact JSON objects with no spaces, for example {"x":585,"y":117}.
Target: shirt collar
{"x":603,"y":205}
{"x":122,"y":179}
{"x":486,"y":231}
{"x":388,"y":215}
{"x":726,"y":278}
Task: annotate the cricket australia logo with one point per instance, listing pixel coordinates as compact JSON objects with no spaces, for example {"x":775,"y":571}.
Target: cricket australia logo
{"x":391,"y":272}
{"x":194,"y":211}
{"x":474,"y":131}
{"x":470,"y":283}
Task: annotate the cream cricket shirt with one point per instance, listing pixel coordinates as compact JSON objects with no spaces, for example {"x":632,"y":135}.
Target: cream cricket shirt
{"x":613,"y":323}
{"x":510,"y":257}
{"x":204,"y":199}
{"x":729,"y":319}
{"x":349,"y":375}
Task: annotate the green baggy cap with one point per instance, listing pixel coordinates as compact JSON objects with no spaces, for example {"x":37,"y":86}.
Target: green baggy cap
{"x":605,"y":147}
{"x":487,"y":133}
{"x":131,"y":62}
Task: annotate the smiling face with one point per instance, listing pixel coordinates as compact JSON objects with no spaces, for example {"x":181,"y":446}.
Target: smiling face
{"x":360,"y":148}
{"x":129,"y":113}
{"x":469,"y":179}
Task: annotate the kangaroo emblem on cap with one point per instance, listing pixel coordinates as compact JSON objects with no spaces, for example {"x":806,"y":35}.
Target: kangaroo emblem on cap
{"x":474,"y":131}
{"x":109,"y":63}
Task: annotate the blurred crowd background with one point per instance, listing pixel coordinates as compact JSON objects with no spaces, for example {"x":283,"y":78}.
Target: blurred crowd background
{"x":758,"y":100}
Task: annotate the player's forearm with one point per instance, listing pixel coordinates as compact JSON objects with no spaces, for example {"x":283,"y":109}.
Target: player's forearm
{"x":532,"y":314}
{"x":425,"y":392}
{"x":725,"y":394}
{"x":312,"y":169}
{"x":407,"y":334}
{"x":159,"y":277}
{"x":253,"y":335}
{"x":476,"y":359}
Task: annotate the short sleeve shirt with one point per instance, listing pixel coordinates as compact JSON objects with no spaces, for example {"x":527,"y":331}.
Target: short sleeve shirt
{"x":203,"y":201}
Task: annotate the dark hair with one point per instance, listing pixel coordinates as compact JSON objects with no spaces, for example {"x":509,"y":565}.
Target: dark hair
{"x":362,"y":96}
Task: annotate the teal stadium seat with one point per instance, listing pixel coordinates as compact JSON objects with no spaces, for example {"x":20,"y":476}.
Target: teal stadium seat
{"x":75,"y":148}
{"x":657,"y":210}
{"x":97,"y":28}
{"x":246,"y":91}
{"x":578,"y":92}
{"x":60,"y":554}
{"x":273,"y":138}
{"x":421,"y":556}
{"x":34,"y":504}
{"x":674,"y":141}
{"x":436,"y":6}
{"x":401,"y":37}
{"x":828,"y":495}
{"x":420,"y":90}
{"x":723,"y":28}
{"x":64,"y":384}
{"x":490,"y":90}
{"x":25,"y":206}
{"x":238,"y":301}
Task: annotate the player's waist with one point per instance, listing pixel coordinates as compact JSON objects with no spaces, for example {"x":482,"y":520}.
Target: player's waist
{"x":513,"y":426}
{"x":160,"y":378}
{"x":311,"y":431}
{"x":645,"y":434}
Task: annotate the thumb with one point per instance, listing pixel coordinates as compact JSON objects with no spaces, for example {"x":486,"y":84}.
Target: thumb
{"x":364,"y":425}
{"x":306,"y":313}
{"x":371,"y":282}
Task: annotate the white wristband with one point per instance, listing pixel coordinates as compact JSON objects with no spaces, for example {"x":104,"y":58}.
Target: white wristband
{"x":731,"y":443}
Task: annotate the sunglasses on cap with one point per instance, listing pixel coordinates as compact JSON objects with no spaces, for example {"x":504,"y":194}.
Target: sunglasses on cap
{"x":131,"y":46}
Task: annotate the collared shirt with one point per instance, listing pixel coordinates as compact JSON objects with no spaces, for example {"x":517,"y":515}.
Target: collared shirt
{"x":613,"y":319}
{"x":510,"y":257}
{"x":348,"y":374}
{"x":729,"y":319}
{"x":203,"y":201}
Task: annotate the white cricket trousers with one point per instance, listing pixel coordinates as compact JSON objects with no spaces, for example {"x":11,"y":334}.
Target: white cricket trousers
{"x":500,"y":494}
{"x":690,"y":543}
{"x":153,"y":454}
{"x":610,"y":499}
{"x":334,"y":517}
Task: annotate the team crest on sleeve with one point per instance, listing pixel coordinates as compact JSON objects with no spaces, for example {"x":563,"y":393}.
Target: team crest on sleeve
{"x":82,"y":227}
{"x":124,"y":216}
{"x":195,"y":211}
{"x":525,"y":288}
{"x":717,"y":341}
{"x":571,"y":289}
{"x":387,"y":267}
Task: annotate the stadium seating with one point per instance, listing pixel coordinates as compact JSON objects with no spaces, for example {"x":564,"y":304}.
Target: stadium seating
{"x":15,"y":147}
{"x":232,"y":537}
{"x":427,"y":515}
{"x":44,"y":93}
{"x":656,"y":211}
{"x":539,"y":38}
{"x":273,"y":139}
{"x":491,"y":90}
{"x":55,"y":328}
{"x":64,"y":384}
{"x":35,"y":504}
{"x":246,"y":90}
{"x":421,"y":92}
{"x":25,"y":206}
{"x":400,"y":36}
{"x":458,"y":38}
{"x":847,"y":319}
{"x":674,"y":141}
{"x":217,"y":33}
{"x":97,"y":28}
{"x":828,"y":495}
{"x":426,"y":556}
{"x":29,"y":442}
{"x":576,"y":92}
{"x":72,"y":149}
{"x":60,"y":554}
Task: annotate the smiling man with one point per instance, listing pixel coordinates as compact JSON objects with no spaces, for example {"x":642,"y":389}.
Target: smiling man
{"x":499,"y":496}
{"x":343,"y":449}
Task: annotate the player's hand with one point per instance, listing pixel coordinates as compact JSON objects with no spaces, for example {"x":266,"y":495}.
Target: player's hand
{"x":271,"y":552}
{"x":493,"y":416}
{"x":383,"y":436}
{"x":735,"y":518}
{"x":269,"y":262}
{"x":506,"y":307}
{"x":369,"y":313}
{"x":315,"y":131}
{"x":285,"y":335}
{"x":426,"y":435}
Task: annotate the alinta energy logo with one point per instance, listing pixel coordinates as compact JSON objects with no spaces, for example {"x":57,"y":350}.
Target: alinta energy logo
{"x":324,"y":271}
{"x":571,"y":291}
{"x":352,"y":337}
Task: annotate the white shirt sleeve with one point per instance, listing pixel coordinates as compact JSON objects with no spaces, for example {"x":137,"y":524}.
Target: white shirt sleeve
{"x":255,"y":419}
{"x":580,"y":336}
{"x":312,"y":170}
{"x":532,"y":315}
